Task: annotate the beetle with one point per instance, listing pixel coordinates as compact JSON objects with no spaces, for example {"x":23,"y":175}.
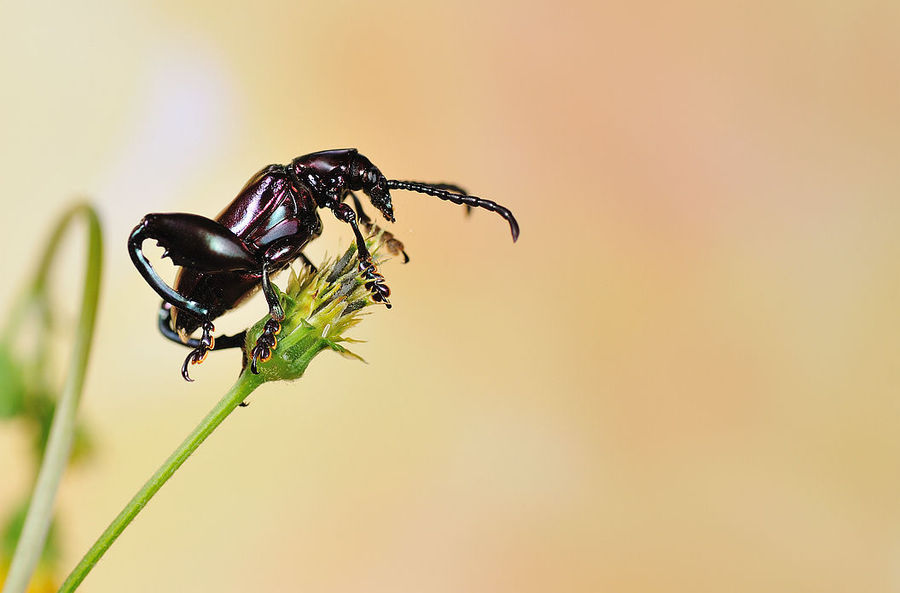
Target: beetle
{"x":266,"y":227}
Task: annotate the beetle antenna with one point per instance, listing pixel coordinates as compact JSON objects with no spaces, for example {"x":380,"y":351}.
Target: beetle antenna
{"x":473,"y":201}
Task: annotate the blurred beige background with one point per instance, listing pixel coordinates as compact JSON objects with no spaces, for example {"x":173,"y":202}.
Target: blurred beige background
{"x":683,"y":377}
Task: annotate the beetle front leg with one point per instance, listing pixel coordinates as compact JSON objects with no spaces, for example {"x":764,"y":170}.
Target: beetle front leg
{"x":374,"y":280}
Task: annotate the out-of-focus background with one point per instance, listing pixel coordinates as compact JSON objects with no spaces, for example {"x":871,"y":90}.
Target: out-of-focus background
{"x":683,"y":377}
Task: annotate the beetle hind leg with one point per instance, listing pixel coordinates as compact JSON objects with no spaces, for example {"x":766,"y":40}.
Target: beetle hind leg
{"x":194,"y":242}
{"x":190,"y":241}
{"x":221,"y":342}
{"x":200,"y":347}
{"x":206,"y":343}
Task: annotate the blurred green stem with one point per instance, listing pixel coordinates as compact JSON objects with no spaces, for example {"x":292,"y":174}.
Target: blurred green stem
{"x":59,"y":445}
{"x":244,"y":386}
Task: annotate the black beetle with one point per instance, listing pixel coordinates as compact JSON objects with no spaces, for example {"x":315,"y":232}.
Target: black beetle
{"x":261,"y":232}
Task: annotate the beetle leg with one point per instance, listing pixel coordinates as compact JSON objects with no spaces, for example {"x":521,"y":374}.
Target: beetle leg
{"x":276,"y":256}
{"x":206,"y":343}
{"x":265,"y":344}
{"x":374,"y":281}
{"x":275,"y":310}
{"x":193,"y":242}
{"x":346,"y":214}
{"x":360,"y":213}
{"x":392,"y":243}
{"x":200,"y":347}
{"x":267,"y":341}
{"x":165,"y":328}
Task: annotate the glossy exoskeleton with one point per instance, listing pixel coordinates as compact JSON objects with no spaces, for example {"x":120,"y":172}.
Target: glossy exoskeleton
{"x":264,"y":229}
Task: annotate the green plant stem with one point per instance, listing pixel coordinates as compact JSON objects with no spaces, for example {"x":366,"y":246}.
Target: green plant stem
{"x":245,"y":385}
{"x":59,"y":444}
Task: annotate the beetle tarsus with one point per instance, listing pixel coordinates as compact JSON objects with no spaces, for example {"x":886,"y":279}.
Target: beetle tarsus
{"x":206,"y":343}
{"x":375,"y":282}
{"x":265,"y":344}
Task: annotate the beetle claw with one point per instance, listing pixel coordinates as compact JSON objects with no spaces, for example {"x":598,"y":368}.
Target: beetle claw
{"x":184,"y":368}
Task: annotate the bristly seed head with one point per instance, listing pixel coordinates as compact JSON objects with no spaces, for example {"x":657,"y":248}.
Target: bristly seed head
{"x":319,"y":307}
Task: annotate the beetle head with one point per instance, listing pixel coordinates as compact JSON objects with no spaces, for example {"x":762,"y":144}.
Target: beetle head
{"x":380,"y":196}
{"x":366,"y":176}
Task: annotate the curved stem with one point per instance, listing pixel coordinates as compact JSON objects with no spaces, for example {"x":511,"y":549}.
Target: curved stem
{"x":59,"y":444}
{"x":245,"y":385}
